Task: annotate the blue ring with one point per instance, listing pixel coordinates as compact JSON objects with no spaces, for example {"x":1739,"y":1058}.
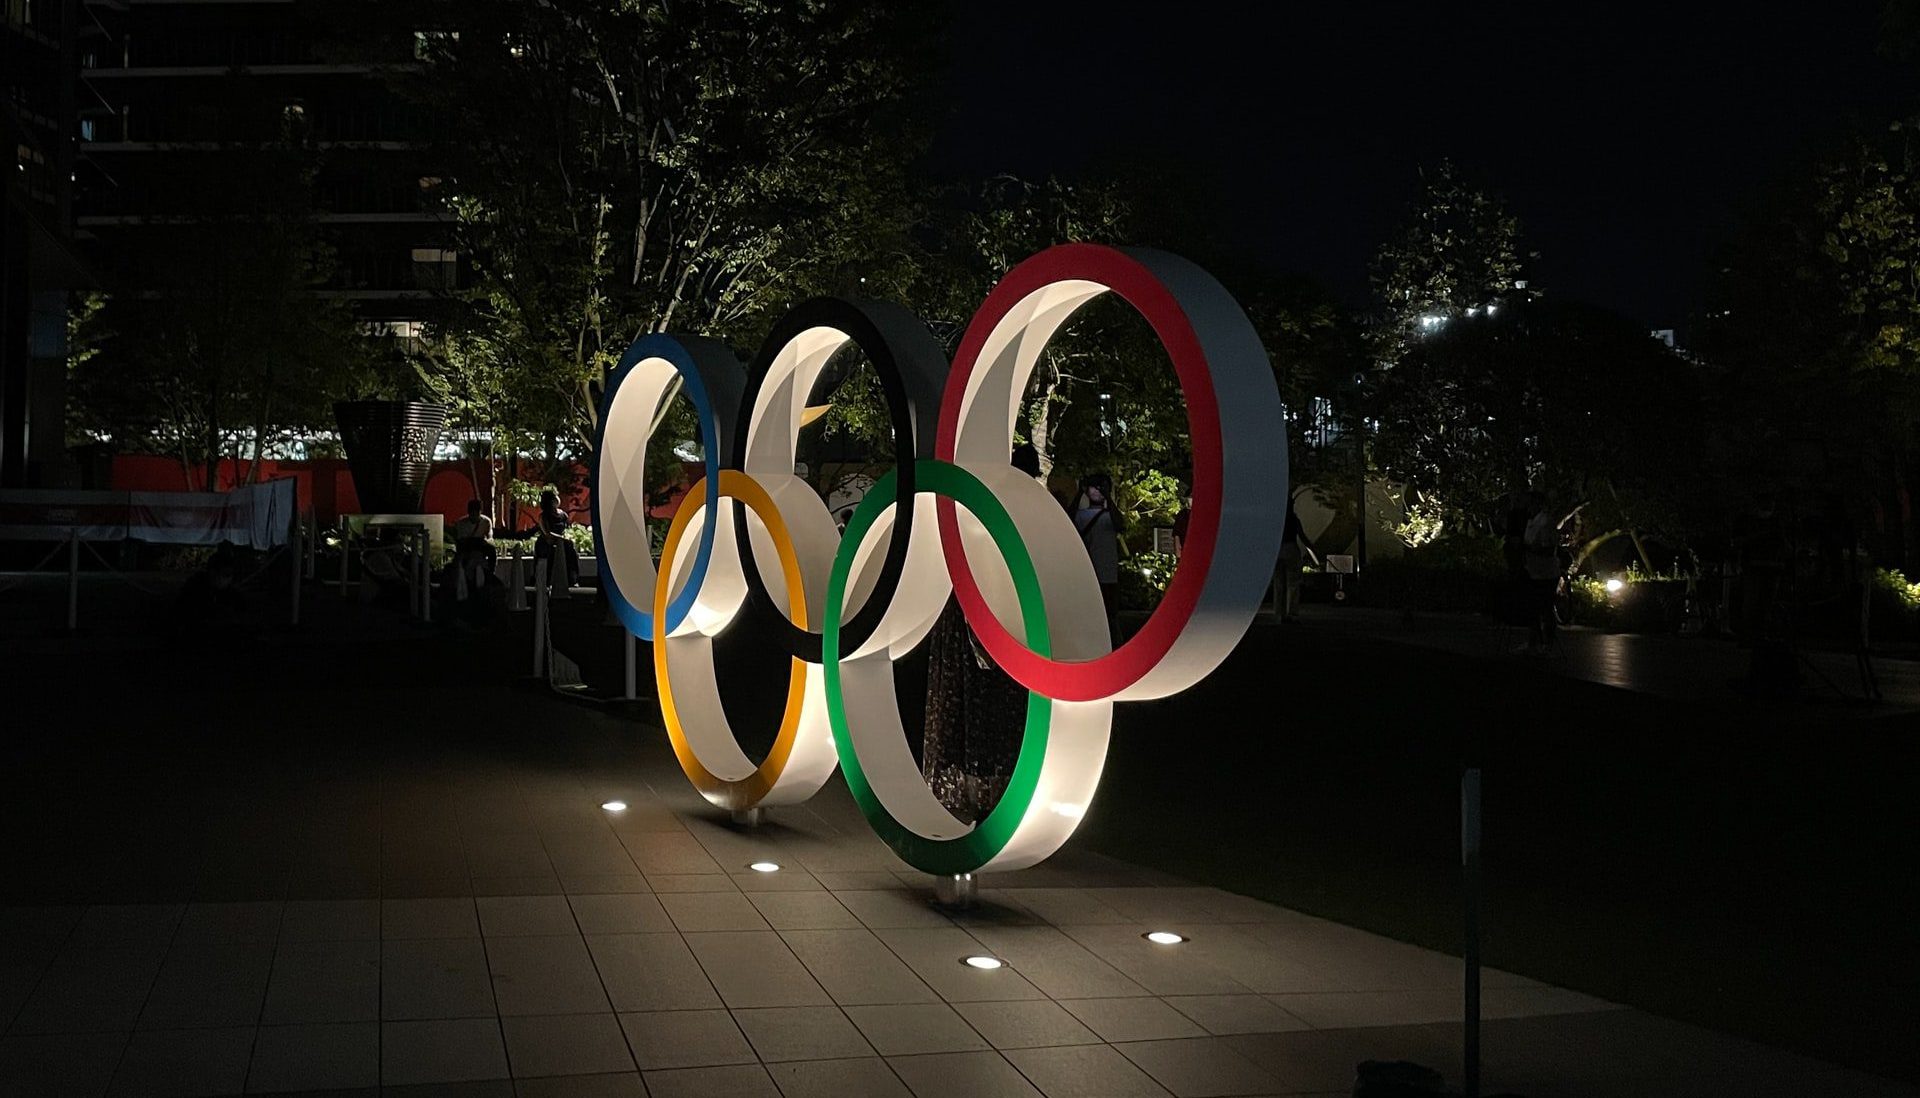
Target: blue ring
{"x":638,"y":621}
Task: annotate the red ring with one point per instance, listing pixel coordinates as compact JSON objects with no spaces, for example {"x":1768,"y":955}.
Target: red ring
{"x":1108,"y":675}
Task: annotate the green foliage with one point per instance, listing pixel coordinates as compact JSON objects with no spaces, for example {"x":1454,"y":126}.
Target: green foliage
{"x":619,"y":167}
{"x":211,"y":342}
{"x":1144,"y":577}
{"x":1905,"y":592}
{"x":1457,"y":249}
{"x":1570,"y":400}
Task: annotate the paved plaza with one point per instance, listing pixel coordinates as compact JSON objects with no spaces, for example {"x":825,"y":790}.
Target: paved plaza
{"x":411,"y":888}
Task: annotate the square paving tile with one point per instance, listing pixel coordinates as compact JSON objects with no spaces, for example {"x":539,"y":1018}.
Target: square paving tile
{"x":670,"y":852}
{"x":565,"y":1044}
{"x":625,"y":1085}
{"x":315,"y":1057}
{"x":936,"y":954}
{"x":651,"y":972}
{"x":1055,"y":963}
{"x":620,"y":913}
{"x":857,"y":968}
{"x":601,"y":884}
{"x":962,"y":1075}
{"x":184,"y":1061}
{"x":1185,"y":969}
{"x":545,"y":976}
{"x":867,"y":1077}
{"x":1204,"y":1066}
{"x":664,"y":883}
{"x":699,"y":911}
{"x":329,"y":920}
{"x":1350,"y":1009}
{"x":891,"y":908}
{"x":91,"y":987}
{"x":328,"y":981}
{"x":743,"y":1081}
{"x":755,"y":969}
{"x":1084,"y":1071}
{"x":128,"y":924}
{"x":801,"y":1033}
{"x":230,"y":922}
{"x":59,"y":1065}
{"x":1029,"y":1023}
{"x":441,"y":917}
{"x":803,"y":910}
{"x":441,"y":1051}
{"x":903,"y":1030}
{"x":520,"y":916}
{"x":788,"y":879}
{"x":857,"y":880}
{"x":435,"y":978}
{"x":209,"y":985}
{"x":1132,"y":1019}
{"x":1221,"y":1015}
{"x":685,"y":1038}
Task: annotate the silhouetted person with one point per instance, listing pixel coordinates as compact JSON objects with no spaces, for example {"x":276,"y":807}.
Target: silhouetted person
{"x":1286,"y":580}
{"x":1099,"y":527}
{"x":552,"y":543}
{"x":473,"y":552}
{"x":1542,"y":544}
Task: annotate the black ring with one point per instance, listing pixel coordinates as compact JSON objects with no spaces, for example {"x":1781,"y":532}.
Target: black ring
{"x":912,"y":371}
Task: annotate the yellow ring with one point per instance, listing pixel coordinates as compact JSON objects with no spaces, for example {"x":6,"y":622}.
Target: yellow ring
{"x":743,"y":793}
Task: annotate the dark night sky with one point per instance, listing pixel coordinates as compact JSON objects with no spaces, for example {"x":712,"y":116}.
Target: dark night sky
{"x":1628,"y":138}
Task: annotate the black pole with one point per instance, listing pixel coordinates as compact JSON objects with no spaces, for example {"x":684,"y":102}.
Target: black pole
{"x":1470,"y":903}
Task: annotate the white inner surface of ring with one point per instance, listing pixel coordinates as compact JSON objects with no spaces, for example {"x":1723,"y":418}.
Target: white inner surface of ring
{"x":983,"y":443}
{"x":696,"y":685}
{"x":773,"y":435}
{"x":1077,"y":741}
{"x":622,"y":483}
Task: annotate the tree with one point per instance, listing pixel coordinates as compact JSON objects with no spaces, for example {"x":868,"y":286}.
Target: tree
{"x":212,"y":341}
{"x":1814,"y":336}
{"x":1458,"y":249}
{"x":1555,"y":396}
{"x":620,"y":167}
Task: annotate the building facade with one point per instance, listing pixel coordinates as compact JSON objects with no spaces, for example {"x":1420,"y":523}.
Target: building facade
{"x":39,"y":264}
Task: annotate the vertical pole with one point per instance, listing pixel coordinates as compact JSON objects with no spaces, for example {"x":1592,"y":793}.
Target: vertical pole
{"x":73,"y":579}
{"x":540,"y":618}
{"x":633,"y":666}
{"x":459,"y":578}
{"x":426,"y":575}
{"x":346,"y":547}
{"x":296,"y":563}
{"x":1470,"y":881}
{"x":517,"y":582}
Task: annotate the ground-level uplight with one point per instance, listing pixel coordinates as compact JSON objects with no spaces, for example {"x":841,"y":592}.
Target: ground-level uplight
{"x":1616,"y":585}
{"x":765,"y":867}
{"x":982,"y":962}
{"x":1163,"y":937}
{"x":615,"y":806}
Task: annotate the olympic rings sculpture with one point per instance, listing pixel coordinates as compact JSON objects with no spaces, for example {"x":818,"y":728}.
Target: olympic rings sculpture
{"x":952,"y":518}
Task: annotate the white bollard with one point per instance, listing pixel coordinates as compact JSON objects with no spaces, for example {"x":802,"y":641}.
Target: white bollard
{"x":633,"y":666}
{"x":540,"y":618}
{"x":426,"y":575}
{"x":297,"y":563}
{"x":73,"y":579}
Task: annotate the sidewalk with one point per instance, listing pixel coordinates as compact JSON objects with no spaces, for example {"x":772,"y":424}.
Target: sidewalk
{"x":286,"y":905}
{"x":1678,"y":668}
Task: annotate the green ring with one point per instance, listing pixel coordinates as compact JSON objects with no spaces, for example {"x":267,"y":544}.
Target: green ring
{"x":988,"y":837}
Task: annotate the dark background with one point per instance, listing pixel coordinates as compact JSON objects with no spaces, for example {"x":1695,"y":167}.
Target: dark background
{"x":1628,"y":138}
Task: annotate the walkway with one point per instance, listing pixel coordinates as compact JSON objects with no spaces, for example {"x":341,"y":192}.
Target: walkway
{"x":268,"y":883}
{"x":1680,"y":668}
